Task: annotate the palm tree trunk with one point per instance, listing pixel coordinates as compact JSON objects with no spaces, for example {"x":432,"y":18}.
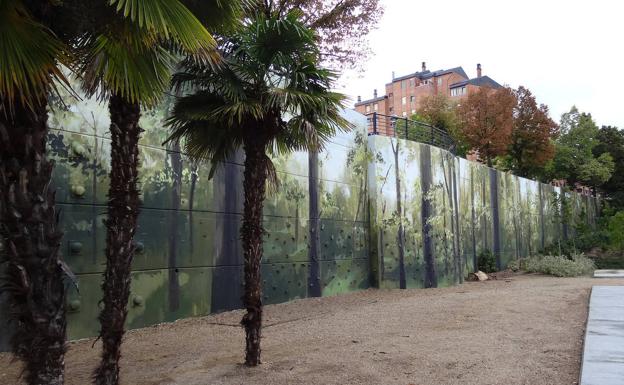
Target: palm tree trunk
{"x":123,"y":211}
{"x":251,"y":233}
{"x":28,"y":230}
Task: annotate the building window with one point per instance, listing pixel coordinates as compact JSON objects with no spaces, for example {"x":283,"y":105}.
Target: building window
{"x":439,"y":81}
{"x":458,"y":91}
{"x":403,"y":84}
{"x":391,"y":109}
{"x":412,"y":98}
{"x":404,"y":100}
{"x":390,"y":95}
{"x":404,"y":114}
{"x":367,"y":108}
{"x":375,"y":106}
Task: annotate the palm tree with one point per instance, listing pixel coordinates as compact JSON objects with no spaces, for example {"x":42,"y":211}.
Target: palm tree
{"x":127,"y":58}
{"x":30,"y":59}
{"x":269,"y":97}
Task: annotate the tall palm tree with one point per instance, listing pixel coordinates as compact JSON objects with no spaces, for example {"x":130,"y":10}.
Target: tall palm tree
{"x":269,"y":97}
{"x":30,"y":59}
{"x":128,"y":56}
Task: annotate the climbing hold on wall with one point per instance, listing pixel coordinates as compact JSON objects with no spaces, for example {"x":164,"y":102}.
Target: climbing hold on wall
{"x":78,"y":149}
{"x":137,"y":300}
{"x":74,"y":305}
{"x":78,"y":190}
{"x":75,"y":247}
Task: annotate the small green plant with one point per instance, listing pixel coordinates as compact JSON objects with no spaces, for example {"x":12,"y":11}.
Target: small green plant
{"x":616,"y":231}
{"x":487,"y":262}
{"x":557,"y":265}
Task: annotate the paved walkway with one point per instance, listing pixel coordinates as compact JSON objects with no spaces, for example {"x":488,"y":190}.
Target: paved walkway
{"x":609,"y":274}
{"x":603,"y":355}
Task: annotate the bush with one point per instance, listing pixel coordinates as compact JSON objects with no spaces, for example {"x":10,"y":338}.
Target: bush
{"x":616,"y":231}
{"x":557,"y":265}
{"x":486,"y":262}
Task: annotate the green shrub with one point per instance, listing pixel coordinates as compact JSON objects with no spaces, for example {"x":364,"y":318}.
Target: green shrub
{"x":557,"y":265}
{"x":487,"y":262}
{"x":616,"y":231}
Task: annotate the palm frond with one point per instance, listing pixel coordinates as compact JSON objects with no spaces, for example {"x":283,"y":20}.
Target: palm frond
{"x":269,"y":88}
{"x":220,"y":16}
{"x":126,"y":66}
{"x":170,"y":19}
{"x":30,"y":56}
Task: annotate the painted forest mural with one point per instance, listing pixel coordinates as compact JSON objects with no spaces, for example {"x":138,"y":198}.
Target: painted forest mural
{"x":433,"y":213}
{"x":366,"y":211}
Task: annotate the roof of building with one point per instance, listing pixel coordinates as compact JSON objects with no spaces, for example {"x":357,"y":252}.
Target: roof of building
{"x":422,"y":75}
{"x":382,"y":97}
{"x":483,"y":81}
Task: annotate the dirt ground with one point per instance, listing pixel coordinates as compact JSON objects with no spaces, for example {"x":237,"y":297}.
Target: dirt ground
{"x":524,"y":329}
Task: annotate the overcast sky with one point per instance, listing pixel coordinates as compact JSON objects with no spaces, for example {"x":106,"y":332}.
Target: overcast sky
{"x":566,"y":52}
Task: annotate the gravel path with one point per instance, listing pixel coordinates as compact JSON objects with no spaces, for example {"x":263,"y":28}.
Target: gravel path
{"x":525,"y":329}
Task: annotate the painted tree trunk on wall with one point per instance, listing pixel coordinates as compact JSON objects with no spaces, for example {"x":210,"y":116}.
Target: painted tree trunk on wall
{"x":121,"y":224}
{"x":447,"y":262}
{"x":400,"y":237}
{"x":382,"y":230}
{"x":227,"y":285}
{"x":514,"y":210}
{"x":456,"y":231}
{"x":254,"y":187}
{"x":176,"y":196}
{"x":540,"y":190}
{"x":31,"y":241}
{"x":495,"y":218}
{"x":564,"y":216}
{"x":314,"y":272}
{"x":191,"y":202}
{"x":484,"y":204}
{"x":449,"y":187}
{"x":431,"y":278}
{"x":475,"y":261}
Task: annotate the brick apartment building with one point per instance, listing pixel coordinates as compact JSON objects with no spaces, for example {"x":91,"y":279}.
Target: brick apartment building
{"x":404,"y":93}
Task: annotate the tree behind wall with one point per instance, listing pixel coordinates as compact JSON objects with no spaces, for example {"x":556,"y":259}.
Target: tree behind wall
{"x":611,"y":141}
{"x":342,"y":27}
{"x":439,"y":111}
{"x":575,"y":160}
{"x":486,"y":118}
{"x":532,"y":136}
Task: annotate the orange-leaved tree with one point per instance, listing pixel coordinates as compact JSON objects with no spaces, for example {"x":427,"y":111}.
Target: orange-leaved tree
{"x":532,"y":136}
{"x":486,"y":119}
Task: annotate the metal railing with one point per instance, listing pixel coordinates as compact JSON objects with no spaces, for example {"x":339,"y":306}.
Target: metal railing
{"x":380,"y":124}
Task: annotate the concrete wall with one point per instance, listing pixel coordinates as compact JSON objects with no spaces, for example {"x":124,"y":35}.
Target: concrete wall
{"x":331,"y":225}
{"x":451,"y":210}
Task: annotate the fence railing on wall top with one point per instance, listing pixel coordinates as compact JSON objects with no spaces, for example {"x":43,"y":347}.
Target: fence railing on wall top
{"x":395,"y":126}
